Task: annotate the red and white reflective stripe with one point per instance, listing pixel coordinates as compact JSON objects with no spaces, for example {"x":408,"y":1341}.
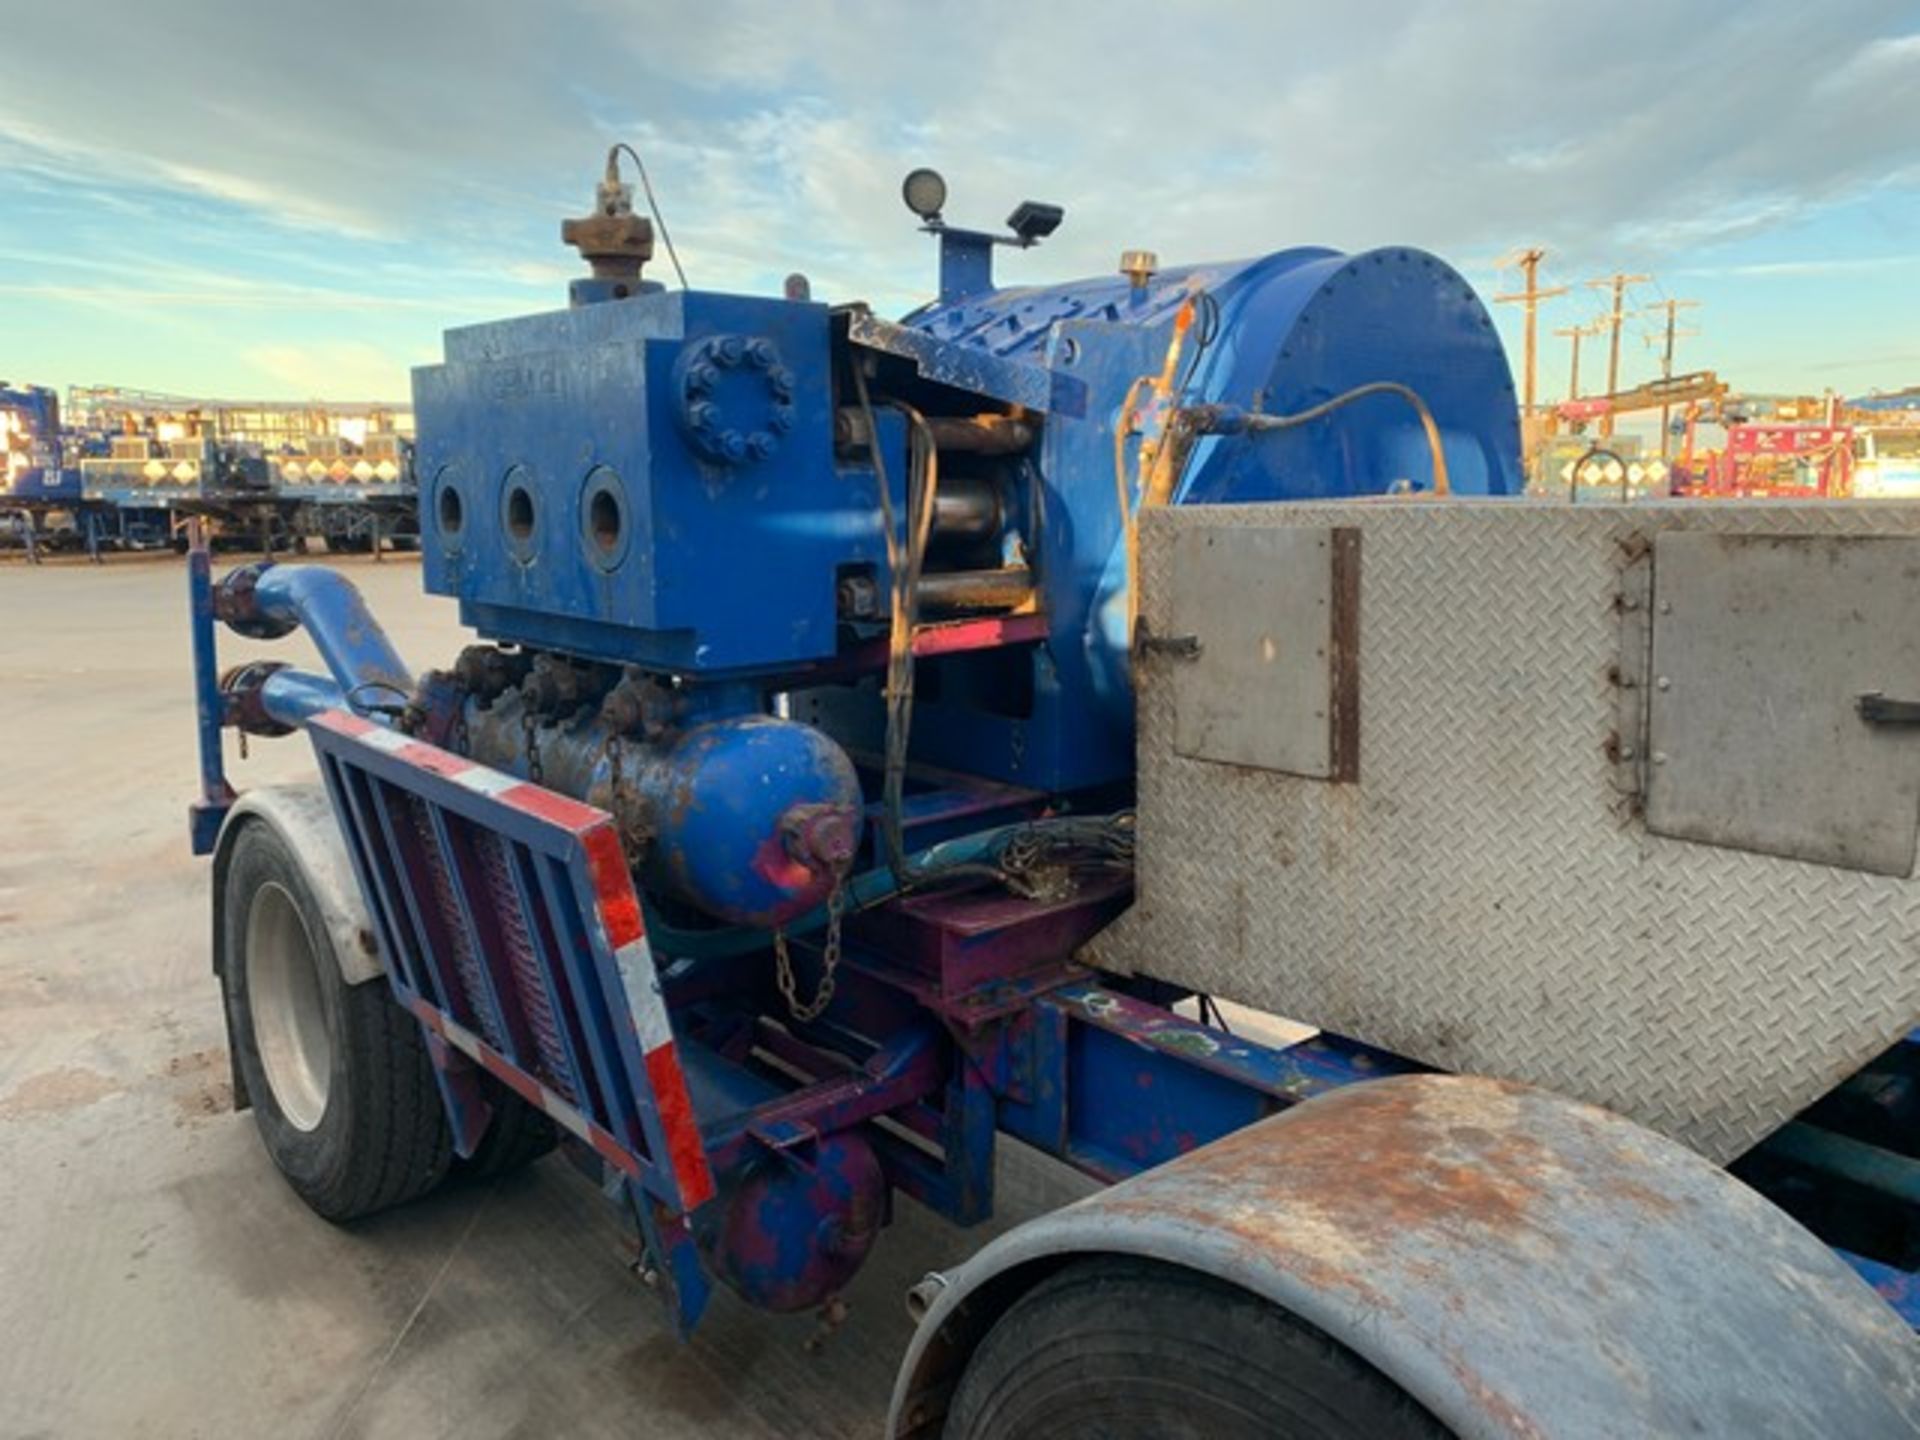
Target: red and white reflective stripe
{"x":617,"y":908}
{"x":556,"y":1106}
{"x":511,"y":790}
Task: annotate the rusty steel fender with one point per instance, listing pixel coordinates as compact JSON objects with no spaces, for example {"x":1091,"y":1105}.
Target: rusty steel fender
{"x":1521,"y":1264}
{"x":302,"y":816}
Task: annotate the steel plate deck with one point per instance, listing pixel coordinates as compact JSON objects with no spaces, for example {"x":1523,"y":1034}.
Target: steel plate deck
{"x":1484,"y":898}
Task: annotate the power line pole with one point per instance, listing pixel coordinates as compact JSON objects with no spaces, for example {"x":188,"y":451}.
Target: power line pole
{"x":1528,"y":262}
{"x":1576,"y":333}
{"x":1673,"y":308}
{"x":1618,"y":282}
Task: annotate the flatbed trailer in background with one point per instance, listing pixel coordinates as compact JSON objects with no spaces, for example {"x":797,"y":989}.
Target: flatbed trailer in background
{"x":116,"y":468}
{"x":889,"y":736}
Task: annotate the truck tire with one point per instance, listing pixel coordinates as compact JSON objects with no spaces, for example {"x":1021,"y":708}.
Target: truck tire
{"x":1115,"y":1347}
{"x":338,"y":1075}
{"x":518,"y":1136}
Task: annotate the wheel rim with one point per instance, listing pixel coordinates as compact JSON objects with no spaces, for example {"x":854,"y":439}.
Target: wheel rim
{"x":287,"y":1006}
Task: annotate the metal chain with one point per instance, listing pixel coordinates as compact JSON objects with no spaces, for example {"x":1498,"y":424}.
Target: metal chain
{"x":829,"y":963}
{"x":617,"y":799}
{"x":528,"y":726}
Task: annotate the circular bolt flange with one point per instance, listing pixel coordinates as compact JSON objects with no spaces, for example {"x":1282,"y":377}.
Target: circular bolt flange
{"x":723,"y":419}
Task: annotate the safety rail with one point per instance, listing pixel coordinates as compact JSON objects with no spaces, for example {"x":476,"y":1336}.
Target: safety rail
{"x":511,"y":929}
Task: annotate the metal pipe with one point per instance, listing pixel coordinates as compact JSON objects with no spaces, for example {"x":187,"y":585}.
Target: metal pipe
{"x":216,"y":795}
{"x":863,"y":891}
{"x":1884,"y":1171}
{"x":273,"y":699}
{"x":749,"y":818}
{"x":265,"y":601}
{"x":967,"y":507}
{"x":989,"y":434}
{"x":1004,"y":589}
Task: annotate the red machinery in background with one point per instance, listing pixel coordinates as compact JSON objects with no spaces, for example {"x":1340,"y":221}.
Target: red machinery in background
{"x":1785,"y":461}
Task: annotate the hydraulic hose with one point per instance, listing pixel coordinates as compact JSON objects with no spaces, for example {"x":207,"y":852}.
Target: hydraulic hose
{"x":986,"y":854}
{"x":1442,"y":484}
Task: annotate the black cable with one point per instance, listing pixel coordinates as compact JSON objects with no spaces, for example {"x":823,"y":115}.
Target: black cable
{"x":905,"y":562}
{"x":653,"y":205}
{"x":378,"y":707}
{"x":1207,"y":312}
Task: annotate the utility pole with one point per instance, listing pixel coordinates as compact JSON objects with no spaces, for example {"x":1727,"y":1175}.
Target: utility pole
{"x":1673,"y":308}
{"x":1528,"y":262}
{"x":1618,"y":282}
{"x":1576,"y":333}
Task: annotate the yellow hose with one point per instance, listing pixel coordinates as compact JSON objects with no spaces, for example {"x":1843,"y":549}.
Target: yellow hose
{"x":1162,"y":386}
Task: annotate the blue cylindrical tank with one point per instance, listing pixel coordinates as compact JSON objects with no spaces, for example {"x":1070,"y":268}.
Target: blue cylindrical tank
{"x":749,"y":818}
{"x":746,"y":817}
{"x":754,"y":819}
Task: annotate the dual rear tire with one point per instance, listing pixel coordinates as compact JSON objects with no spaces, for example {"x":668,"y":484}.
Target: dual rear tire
{"x":338,"y":1075}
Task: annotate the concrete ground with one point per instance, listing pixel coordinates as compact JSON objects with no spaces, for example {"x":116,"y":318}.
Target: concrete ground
{"x":159,"y":1279}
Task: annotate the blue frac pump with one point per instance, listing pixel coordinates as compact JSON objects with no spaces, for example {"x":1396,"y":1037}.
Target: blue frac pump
{"x":764,"y":846}
{"x":694,"y":511}
{"x":823,"y":608}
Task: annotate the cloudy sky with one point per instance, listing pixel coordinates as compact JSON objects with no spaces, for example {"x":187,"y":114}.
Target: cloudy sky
{"x":260,"y":197}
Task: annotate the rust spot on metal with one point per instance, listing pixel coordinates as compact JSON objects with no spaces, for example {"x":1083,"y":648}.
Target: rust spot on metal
{"x":1511,"y":1418}
{"x":1356,"y":1174}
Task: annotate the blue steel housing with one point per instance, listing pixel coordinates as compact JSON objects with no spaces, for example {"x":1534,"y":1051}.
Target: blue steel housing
{"x":687,"y":522}
{"x":1289,"y":331}
{"x":594,"y":479}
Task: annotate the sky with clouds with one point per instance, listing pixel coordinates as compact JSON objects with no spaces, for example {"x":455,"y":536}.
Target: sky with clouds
{"x":265,"y":198}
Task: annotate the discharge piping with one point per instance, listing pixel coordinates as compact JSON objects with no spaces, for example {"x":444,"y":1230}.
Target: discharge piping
{"x":266,"y":601}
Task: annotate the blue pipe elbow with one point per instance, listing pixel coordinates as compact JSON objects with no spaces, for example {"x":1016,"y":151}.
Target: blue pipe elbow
{"x":265,"y":601}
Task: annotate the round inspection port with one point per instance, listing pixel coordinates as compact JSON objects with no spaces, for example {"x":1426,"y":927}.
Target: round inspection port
{"x":449,"y":508}
{"x":520,"y":513}
{"x":603,"y":519}
{"x":519,"y":517}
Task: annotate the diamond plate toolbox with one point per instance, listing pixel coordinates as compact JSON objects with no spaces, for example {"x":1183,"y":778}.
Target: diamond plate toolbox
{"x":1483,"y":893}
